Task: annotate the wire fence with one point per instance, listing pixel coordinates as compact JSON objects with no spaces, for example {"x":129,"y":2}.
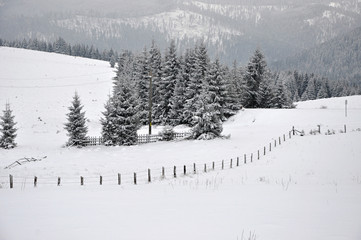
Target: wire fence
{"x":158,"y":174}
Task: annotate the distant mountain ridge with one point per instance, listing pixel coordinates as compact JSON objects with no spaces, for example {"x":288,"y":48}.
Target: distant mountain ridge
{"x":231,"y":29}
{"x":338,"y":59}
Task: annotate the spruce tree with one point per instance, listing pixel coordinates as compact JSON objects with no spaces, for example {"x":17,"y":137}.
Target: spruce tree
{"x":77,"y":130}
{"x":8,"y":130}
{"x":155,"y":61}
{"x":109,"y":123}
{"x":127,"y":117}
{"x":256,"y":72}
{"x":167,"y":84}
{"x":265,"y":98}
{"x":217,"y":89}
{"x":206,"y":122}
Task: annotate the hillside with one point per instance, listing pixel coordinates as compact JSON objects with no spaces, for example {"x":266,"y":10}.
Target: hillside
{"x":306,"y":187}
{"x":337,"y":59}
{"x":231,"y":29}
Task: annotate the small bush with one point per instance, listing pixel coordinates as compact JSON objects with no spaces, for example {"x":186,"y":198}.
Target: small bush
{"x":167,"y":134}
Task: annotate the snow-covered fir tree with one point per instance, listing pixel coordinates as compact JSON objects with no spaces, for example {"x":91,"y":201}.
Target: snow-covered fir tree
{"x":155,"y":61}
{"x":127,"y":117}
{"x":109,"y":123}
{"x":142,"y":77}
{"x":217,"y":89}
{"x":178,"y":101}
{"x":265,"y":95}
{"x":7,"y":130}
{"x":76,"y":127}
{"x":206,"y":122}
{"x":280,"y":98}
{"x":167,"y":84}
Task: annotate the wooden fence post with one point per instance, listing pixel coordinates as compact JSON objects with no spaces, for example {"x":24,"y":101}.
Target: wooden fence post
{"x":163,"y":172}
{"x":194,"y":168}
{"x":101,"y":180}
{"x":270,"y":147}
{"x":35,"y":181}
{"x":245,"y":158}
{"x":275,"y":143}
{"x":185,"y":170}
{"x":279,"y":140}
{"x":175,"y":172}
{"x":11,"y":179}
{"x":344,"y":127}
{"x":222,"y":164}
{"x":293,"y":130}
{"x":264,"y":150}
{"x":135,"y":178}
{"x":251,"y":157}
{"x":289,"y":133}
{"x":149,"y":176}
{"x":205,"y":167}
{"x":284,"y":137}
{"x":237,"y":162}
{"x":81,"y":181}
{"x":119,"y":179}
{"x":59,"y":180}
{"x":258,"y":154}
{"x":231,"y":163}
{"x":213,"y":165}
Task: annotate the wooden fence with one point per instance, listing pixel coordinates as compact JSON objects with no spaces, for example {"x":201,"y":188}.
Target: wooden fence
{"x":142,"y":138}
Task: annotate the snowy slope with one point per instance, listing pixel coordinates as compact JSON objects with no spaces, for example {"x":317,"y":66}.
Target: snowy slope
{"x":306,"y":188}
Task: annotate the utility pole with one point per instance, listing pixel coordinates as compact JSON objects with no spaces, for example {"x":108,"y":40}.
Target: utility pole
{"x":346,"y":108}
{"x":150,"y":102}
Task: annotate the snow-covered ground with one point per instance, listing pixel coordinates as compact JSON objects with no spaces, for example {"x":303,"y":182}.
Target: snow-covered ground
{"x":306,"y":188}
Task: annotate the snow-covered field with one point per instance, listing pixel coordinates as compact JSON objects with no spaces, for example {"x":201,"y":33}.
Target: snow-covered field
{"x":306,"y":188}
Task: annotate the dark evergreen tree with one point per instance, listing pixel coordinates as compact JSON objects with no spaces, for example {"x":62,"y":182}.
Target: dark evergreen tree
{"x":167,"y":84}
{"x":255,"y":73}
{"x":77,"y":130}
{"x":280,"y":99}
{"x":8,"y":130}
{"x":155,"y":61}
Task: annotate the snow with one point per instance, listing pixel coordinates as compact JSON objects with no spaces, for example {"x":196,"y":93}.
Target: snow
{"x":306,"y":188}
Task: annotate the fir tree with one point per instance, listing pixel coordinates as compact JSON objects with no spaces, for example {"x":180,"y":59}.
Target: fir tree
{"x":206,"y":123}
{"x":8,"y":130}
{"x":167,"y":84}
{"x":280,"y":98}
{"x":155,"y":61}
{"x":255,"y":73}
{"x":109,"y":123}
{"x":77,"y":130}
{"x":217,"y":89}
{"x":127,"y":118}
{"x":265,"y":97}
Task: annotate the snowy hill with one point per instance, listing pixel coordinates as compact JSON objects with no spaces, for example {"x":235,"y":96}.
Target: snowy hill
{"x":307,"y":187}
{"x":232,"y":29}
